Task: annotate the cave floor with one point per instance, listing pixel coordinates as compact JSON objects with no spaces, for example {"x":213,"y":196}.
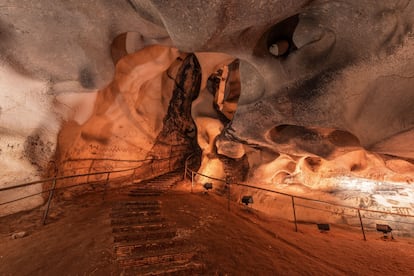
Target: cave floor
{"x":78,"y":240}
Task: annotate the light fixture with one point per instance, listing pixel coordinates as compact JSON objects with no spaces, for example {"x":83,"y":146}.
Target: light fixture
{"x":385,"y":229}
{"x":323,"y":227}
{"x":208,"y":186}
{"x":247,"y":200}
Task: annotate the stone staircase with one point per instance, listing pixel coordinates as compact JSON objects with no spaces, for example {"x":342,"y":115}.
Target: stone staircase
{"x":159,"y":184}
{"x":145,"y":243}
{"x":235,"y":169}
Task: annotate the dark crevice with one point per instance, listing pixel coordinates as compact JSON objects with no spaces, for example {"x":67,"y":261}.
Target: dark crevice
{"x":342,"y":138}
{"x":280,"y":34}
{"x":225,"y":86}
{"x":118,"y":47}
{"x":303,"y":138}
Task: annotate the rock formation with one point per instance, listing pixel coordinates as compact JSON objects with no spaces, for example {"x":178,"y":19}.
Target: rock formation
{"x":280,"y":93}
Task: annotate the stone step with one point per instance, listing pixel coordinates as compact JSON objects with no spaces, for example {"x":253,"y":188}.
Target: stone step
{"x":132,"y":248}
{"x":141,"y":227}
{"x":147,"y":213}
{"x":144,"y":192}
{"x":154,"y":188}
{"x":190,"y":268}
{"x":167,"y":182}
{"x":136,"y":203}
{"x":132,"y":209}
{"x":145,"y":261}
{"x":157,"y":184}
{"x":126,"y":221}
{"x":137,"y":252}
{"x":143,"y":236}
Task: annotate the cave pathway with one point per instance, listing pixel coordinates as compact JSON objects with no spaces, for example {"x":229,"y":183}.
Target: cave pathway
{"x":145,"y":243}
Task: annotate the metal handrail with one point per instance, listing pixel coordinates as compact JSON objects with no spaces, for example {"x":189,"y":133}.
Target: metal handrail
{"x":55,"y":179}
{"x":58,"y":188}
{"x":78,"y":175}
{"x":103,"y":159}
{"x":358,"y":209}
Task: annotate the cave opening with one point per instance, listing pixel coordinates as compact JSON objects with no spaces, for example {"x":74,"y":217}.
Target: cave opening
{"x":277,"y":40}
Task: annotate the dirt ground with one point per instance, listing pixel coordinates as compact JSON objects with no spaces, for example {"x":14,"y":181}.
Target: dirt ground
{"x":77,"y":240}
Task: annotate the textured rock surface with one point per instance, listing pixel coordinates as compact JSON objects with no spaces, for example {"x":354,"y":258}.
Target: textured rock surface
{"x":53,"y":58}
{"x":320,"y":89}
{"x":141,"y":120}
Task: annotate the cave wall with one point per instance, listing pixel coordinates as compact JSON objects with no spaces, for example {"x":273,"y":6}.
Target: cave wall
{"x":141,"y":121}
{"x":54,"y":57}
{"x":322,"y":90}
{"x":326,"y":96}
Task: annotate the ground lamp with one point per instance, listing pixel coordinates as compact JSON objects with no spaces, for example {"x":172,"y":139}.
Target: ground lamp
{"x":323,"y":227}
{"x":385,"y":229}
{"x":247,"y":200}
{"x":208,"y":186}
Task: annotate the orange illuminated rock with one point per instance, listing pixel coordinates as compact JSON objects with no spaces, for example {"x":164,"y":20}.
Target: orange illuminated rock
{"x":145,"y":113}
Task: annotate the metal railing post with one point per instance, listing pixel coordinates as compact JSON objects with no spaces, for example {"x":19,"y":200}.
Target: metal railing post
{"x":228,"y":197}
{"x":192,"y":181}
{"x":133,"y":175}
{"x":106,"y":185}
{"x":48,"y":201}
{"x":89,"y":171}
{"x":294,"y":214}
{"x":185,"y":170}
{"x":362,"y":225}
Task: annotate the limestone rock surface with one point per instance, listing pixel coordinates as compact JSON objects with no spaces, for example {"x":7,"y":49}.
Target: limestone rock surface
{"x":282,"y":93}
